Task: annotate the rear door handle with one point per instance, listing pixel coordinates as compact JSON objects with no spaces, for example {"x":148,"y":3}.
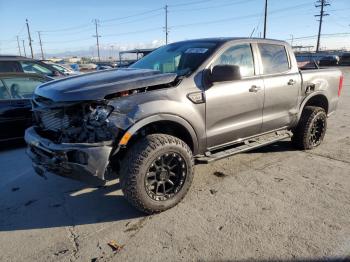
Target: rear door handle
{"x":254,"y":89}
{"x":291,"y":82}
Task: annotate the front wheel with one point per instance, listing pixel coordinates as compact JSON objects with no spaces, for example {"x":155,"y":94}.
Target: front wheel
{"x":311,"y":128}
{"x":157,"y":172}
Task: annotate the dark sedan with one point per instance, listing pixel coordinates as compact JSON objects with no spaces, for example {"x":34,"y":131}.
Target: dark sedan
{"x":16,"y":90}
{"x":10,"y":64}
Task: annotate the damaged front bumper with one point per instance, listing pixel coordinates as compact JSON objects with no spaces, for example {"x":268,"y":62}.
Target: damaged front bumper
{"x":86,"y":162}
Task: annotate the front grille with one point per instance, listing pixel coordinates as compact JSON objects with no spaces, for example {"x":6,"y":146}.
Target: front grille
{"x":53,"y":120}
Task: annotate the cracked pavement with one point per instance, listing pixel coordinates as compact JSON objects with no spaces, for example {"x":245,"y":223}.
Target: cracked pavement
{"x":272,"y":203}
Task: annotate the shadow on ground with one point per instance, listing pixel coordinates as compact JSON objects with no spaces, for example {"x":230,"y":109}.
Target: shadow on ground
{"x":280,"y":146}
{"x":28,"y":201}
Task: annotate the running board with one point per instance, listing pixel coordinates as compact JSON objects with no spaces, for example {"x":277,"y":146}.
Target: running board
{"x":246,"y":145}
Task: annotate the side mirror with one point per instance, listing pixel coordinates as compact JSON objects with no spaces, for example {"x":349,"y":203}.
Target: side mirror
{"x":222,"y":73}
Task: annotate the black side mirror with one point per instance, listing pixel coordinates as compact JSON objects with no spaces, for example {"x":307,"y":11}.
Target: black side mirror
{"x":222,"y":73}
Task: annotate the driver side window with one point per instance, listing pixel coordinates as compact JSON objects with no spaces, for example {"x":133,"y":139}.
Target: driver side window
{"x":240,"y":55}
{"x":21,"y":87}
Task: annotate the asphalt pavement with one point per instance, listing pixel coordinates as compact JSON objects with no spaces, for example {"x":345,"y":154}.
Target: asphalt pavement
{"x":274,"y":203}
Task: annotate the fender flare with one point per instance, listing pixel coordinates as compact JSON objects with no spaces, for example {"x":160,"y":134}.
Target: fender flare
{"x":166,"y":117}
{"x":307,"y":99}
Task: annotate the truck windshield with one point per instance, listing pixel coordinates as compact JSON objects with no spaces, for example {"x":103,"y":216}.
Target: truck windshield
{"x":181,"y":58}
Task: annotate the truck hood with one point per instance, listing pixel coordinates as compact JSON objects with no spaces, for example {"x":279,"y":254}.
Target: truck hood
{"x":97,"y":85}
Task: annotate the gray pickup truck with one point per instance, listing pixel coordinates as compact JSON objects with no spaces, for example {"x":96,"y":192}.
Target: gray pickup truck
{"x":185,"y":103}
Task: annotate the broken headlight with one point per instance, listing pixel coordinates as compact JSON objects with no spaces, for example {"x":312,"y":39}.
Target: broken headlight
{"x":99,"y":114}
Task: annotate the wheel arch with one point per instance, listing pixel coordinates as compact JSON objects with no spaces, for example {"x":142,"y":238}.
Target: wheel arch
{"x":318,"y":99}
{"x":167,"y":124}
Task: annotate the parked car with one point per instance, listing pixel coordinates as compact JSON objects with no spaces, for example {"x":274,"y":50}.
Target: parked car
{"x":189,"y":102}
{"x":10,"y":64}
{"x":106,"y":63}
{"x":328,"y":61}
{"x":103,"y":67}
{"x":87,"y":67}
{"x":305,"y":63}
{"x":16,"y":90}
{"x":65,"y":70}
{"x":345,"y":59}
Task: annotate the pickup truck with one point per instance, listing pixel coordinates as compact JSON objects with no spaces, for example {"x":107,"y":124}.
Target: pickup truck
{"x":186,"y":103}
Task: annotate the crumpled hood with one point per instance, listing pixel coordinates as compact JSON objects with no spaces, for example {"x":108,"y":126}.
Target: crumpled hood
{"x":95,"y":86}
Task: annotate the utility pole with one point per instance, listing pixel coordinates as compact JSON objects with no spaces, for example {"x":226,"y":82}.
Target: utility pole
{"x":97,"y":42}
{"x":19,"y":48}
{"x":29,"y":39}
{"x":265,"y":19}
{"x":166,"y":24}
{"x":292,"y":40}
{"x":41,"y":46}
{"x":112,"y":51}
{"x":24,"y":49}
{"x":322,"y":4}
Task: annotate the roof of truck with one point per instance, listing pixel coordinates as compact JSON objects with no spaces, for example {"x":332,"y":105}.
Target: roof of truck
{"x":228,"y":39}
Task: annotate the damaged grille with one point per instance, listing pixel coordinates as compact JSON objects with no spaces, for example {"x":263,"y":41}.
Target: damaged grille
{"x":73,"y":123}
{"x":54,"y":120}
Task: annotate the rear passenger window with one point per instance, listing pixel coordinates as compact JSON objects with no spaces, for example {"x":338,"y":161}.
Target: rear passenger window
{"x":274,"y":58}
{"x":239,"y":55}
{"x":9,"y":66}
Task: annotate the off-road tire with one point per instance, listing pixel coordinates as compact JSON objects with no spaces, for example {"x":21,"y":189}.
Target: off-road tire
{"x":303,"y":131}
{"x":136,"y":164}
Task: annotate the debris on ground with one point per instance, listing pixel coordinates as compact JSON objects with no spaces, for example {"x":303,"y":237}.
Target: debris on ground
{"x":213,"y":191}
{"x":28,"y":203}
{"x":55,"y":205}
{"x":61,"y":252}
{"x":277,"y":179}
{"x":219,"y":174}
{"x":115,"y":246}
{"x":136,"y":226}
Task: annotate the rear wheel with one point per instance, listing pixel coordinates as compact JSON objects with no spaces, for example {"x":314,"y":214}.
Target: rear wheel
{"x":157,"y":173}
{"x":311,"y":128}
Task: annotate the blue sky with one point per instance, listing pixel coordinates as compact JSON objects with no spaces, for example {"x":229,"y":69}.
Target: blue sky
{"x":67,"y":25}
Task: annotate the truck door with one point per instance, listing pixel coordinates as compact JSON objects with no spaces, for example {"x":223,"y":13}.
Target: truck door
{"x":234,"y":108}
{"x":282,"y":86}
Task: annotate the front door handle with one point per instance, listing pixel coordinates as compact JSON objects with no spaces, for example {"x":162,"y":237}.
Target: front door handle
{"x":254,"y":88}
{"x":291,"y":82}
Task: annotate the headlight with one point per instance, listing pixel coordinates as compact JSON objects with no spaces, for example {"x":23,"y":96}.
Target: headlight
{"x":99,"y":114}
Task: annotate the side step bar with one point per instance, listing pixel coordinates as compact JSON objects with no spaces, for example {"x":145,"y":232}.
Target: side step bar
{"x":246,"y":145}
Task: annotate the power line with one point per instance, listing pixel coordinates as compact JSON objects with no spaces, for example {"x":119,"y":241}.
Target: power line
{"x":323,"y":35}
{"x":128,"y":22}
{"x":322,"y":4}
{"x":229,"y":3}
{"x":191,"y":3}
{"x":125,"y":17}
{"x":66,"y":29}
{"x":238,"y":17}
{"x":135,"y":32}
